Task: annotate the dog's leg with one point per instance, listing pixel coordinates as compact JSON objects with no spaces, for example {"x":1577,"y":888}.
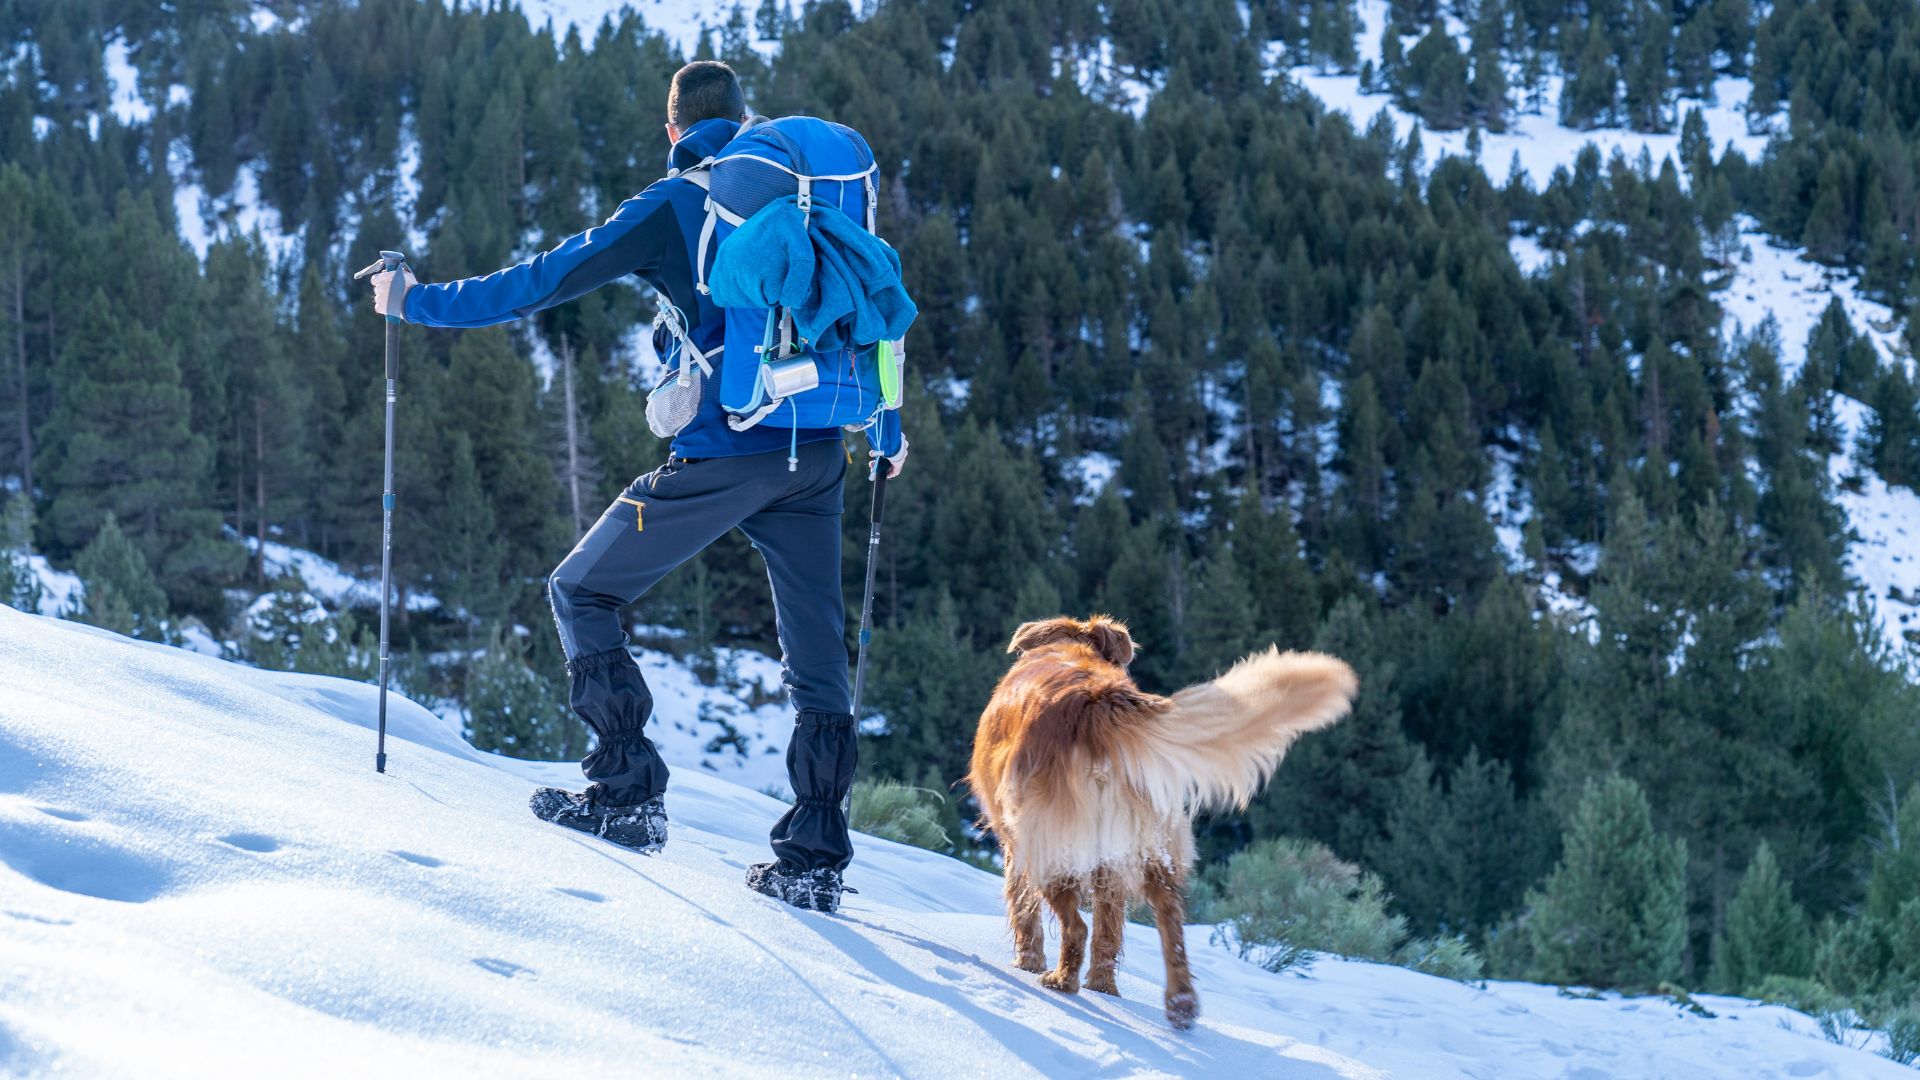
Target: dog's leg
{"x":1109,"y":928}
{"x":1023,"y":913}
{"x":1166,"y":888}
{"x":1064,"y":899}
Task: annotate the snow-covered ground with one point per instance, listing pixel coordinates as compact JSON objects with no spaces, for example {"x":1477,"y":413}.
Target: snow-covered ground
{"x":326,"y":580}
{"x":735,"y":729}
{"x":208,"y":876}
{"x":1885,"y":556}
{"x":1535,"y":139}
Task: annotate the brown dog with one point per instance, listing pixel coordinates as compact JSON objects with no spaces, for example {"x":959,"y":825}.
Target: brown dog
{"x":1090,"y":783}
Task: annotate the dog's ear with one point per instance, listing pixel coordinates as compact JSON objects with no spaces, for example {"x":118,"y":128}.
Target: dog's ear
{"x":1110,"y":639}
{"x":1042,"y":632}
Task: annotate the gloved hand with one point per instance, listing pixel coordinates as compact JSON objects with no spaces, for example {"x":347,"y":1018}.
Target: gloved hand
{"x":390,"y":291}
{"x":895,"y":463}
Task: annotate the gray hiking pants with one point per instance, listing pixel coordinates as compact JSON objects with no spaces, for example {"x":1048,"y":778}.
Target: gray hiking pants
{"x":665,"y":518}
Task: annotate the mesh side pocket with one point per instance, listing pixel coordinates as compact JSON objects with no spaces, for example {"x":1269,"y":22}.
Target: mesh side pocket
{"x":671,"y":406}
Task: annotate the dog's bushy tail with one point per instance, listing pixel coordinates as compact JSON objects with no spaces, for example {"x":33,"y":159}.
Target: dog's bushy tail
{"x":1221,"y":740}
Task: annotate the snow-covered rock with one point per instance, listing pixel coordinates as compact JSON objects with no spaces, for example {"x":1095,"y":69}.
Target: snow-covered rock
{"x":200,"y":873}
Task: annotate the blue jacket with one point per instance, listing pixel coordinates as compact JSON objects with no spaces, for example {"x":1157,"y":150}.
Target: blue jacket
{"x":653,"y":235}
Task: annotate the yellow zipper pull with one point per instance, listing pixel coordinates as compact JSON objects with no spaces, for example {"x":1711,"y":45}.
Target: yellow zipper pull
{"x":639,"y":512}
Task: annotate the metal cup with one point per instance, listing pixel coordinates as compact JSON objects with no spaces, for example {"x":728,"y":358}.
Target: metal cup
{"x":785,"y":378}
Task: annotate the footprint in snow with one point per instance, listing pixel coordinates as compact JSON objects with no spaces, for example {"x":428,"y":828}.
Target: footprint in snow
{"x":503,"y":968}
{"x":255,"y":842}
{"x":45,"y":920}
{"x":63,"y":815}
{"x":85,"y":865}
{"x":583,"y":894}
{"x":421,"y":860}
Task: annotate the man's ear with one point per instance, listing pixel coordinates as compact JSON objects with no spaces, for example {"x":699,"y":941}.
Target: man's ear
{"x":1111,"y":640}
{"x":1042,"y":632}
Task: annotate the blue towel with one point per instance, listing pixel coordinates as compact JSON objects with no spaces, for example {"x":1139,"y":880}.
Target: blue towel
{"x":841,"y":282}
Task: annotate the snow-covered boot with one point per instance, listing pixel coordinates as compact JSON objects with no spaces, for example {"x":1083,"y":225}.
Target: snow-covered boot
{"x":813,"y":890}
{"x":642,"y":826}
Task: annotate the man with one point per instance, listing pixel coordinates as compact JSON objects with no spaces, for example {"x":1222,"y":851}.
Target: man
{"x":714,"y":480}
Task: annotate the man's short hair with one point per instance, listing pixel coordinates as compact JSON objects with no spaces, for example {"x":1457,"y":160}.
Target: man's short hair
{"x":704,"y":90}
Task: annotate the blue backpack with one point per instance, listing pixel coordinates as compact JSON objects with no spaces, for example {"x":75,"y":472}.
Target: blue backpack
{"x":766,"y":373}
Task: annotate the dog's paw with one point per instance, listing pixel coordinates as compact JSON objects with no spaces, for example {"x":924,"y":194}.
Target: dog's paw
{"x":1182,"y":1008}
{"x":1066,"y":982}
{"x":1034,"y":962}
{"x":1102,"y":983}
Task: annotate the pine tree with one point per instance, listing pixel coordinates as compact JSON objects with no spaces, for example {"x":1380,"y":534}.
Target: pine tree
{"x":1339,"y":786}
{"x":122,"y":595}
{"x":1896,"y":866}
{"x":1614,"y":911}
{"x":1828,"y":231}
{"x":1647,"y":74}
{"x":1460,"y":854}
{"x":1767,"y":932}
{"x":1892,"y":439}
{"x":1434,"y":81}
{"x":268,"y":456}
{"x":1591,"y":93}
{"x":19,"y":586}
{"x":1487,"y":92}
{"x":512,"y":708}
{"x":471,"y":552}
{"x":125,"y":445}
{"x":1693,"y":56}
{"x":1220,"y":618}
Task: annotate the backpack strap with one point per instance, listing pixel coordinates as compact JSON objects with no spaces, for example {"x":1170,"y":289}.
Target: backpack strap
{"x":675,"y":321}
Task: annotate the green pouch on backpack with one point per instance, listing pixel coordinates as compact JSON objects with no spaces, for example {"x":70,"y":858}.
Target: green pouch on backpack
{"x":890,"y":357}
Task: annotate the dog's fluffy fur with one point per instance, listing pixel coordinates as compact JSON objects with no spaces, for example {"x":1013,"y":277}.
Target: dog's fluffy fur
{"x":1090,"y":783}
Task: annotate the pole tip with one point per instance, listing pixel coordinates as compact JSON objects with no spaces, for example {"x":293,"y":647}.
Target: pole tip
{"x":380,"y":762}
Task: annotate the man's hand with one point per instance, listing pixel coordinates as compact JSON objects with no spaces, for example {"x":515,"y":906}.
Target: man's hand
{"x":894,"y":464}
{"x":390,"y":291}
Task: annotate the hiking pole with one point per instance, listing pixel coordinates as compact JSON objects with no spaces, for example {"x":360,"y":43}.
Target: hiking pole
{"x":866,"y":604}
{"x":866,"y":601}
{"x":391,"y":261}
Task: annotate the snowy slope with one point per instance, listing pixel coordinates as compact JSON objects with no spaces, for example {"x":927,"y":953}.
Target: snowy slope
{"x":200,"y":873}
{"x":1535,"y":139}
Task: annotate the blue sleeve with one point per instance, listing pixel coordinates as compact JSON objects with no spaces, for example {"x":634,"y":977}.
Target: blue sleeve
{"x":636,"y":239}
{"x":886,"y":436}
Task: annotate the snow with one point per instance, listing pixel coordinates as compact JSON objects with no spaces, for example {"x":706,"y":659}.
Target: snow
{"x":203,"y":221}
{"x":124,"y":96}
{"x":1529,"y":255}
{"x":209,"y":877}
{"x":1089,"y":474}
{"x":1100,"y":76}
{"x":61,"y":591}
{"x":1781,"y":282}
{"x":327,"y":581}
{"x":736,"y":730}
{"x":1537,"y":138}
{"x":1885,"y":557}
{"x":680,"y":20}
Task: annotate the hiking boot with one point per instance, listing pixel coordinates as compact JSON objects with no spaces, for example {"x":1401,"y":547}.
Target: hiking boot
{"x":642,"y":826}
{"x":810,"y":890}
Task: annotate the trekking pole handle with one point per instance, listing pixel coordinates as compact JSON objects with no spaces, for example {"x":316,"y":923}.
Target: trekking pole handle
{"x":389,"y":261}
